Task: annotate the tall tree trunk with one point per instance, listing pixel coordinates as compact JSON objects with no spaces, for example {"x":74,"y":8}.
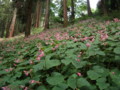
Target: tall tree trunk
{"x":43,"y":3}
{"x":7,"y":28}
{"x":113,"y":4}
{"x":65,"y":13}
{"x":61,"y":12}
{"x":2,"y":28}
{"x":2,"y":33}
{"x":47,"y":14}
{"x":29,"y":4}
{"x":89,"y":8}
{"x":73,"y":11}
{"x":38,"y":13}
{"x":118,"y":4}
{"x":12,"y":26}
{"x":104,"y":8}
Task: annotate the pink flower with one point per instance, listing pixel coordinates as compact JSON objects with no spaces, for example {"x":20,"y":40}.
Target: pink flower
{"x":85,"y":38}
{"x":104,"y":44}
{"x":26,"y":88}
{"x":41,"y":54}
{"x":38,"y":58}
{"x":81,"y":53}
{"x":78,"y":60}
{"x":88,"y":45}
{"x":22,"y":86}
{"x":53,"y":49}
{"x":103,"y":36}
{"x":5,"y":88}
{"x":75,"y":39}
{"x":113,"y":73}
{"x":1,"y":58}
{"x":56,"y":46}
{"x":26,"y":73}
{"x":79,"y":74}
{"x":107,"y":22}
{"x":32,"y":81}
{"x":17,"y":61}
{"x":116,"y":20}
{"x":8,"y":70}
{"x":92,"y":40}
{"x":31,"y":62}
{"x":0,"y":62}
{"x":79,"y":56}
{"x":14,"y":64}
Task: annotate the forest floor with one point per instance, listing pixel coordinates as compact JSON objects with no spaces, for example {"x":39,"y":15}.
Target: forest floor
{"x":36,"y":32}
{"x":83,"y":56}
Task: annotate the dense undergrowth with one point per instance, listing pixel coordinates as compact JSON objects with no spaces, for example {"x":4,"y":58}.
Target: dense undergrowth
{"x":85,"y":56}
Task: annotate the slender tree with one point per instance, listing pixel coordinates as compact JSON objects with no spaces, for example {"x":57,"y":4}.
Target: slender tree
{"x":47,"y":14}
{"x":72,"y":10}
{"x":89,"y":8}
{"x":7,"y":28}
{"x":65,"y":13}
{"x":12,"y":26}
{"x":38,"y":13}
{"x":104,"y":8}
{"x":29,"y":4}
{"x":2,"y":29}
{"x":61,"y":12}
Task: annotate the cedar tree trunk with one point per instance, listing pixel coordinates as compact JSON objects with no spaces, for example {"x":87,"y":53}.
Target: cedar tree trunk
{"x":47,"y":14}
{"x":12,"y":26}
{"x":65,"y":13}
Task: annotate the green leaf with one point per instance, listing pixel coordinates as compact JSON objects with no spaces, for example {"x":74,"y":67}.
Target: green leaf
{"x":39,"y":66}
{"x":97,"y":41}
{"x":115,"y":77}
{"x":117,"y":58}
{"x":100,"y":53}
{"x":83,"y":46}
{"x":101,"y":82}
{"x":101,"y":71}
{"x":61,"y":86}
{"x":80,"y":64}
{"x":72,"y":82}
{"x":41,"y":88}
{"x":52,"y":63}
{"x":66,"y":61}
{"x":57,"y":88}
{"x":93,"y":75}
{"x":55,"y":79}
{"x":117,"y":50}
{"x":81,"y":82}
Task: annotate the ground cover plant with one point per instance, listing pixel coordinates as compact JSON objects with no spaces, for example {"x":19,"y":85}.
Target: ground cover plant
{"x":84,"y":56}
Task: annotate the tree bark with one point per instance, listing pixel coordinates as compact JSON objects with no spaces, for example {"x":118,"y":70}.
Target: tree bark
{"x":65,"y":13}
{"x":73,"y":11}
{"x":89,"y":8}
{"x":29,"y":4}
{"x":7,"y":28}
{"x":47,"y":14}
{"x":38,"y":13}
{"x":2,"y":28}
{"x":104,"y":8}
{"x":12,"y":26}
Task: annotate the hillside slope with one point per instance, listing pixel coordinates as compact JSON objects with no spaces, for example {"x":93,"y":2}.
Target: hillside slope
{"x":84,"y":56}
